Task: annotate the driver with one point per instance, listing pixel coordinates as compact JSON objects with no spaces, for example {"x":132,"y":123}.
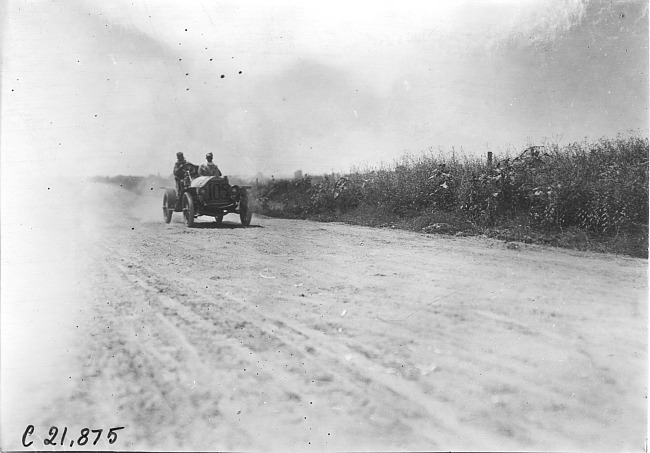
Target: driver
{"x":179,"y":169}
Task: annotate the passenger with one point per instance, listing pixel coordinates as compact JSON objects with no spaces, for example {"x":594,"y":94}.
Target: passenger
{"x":209,"y":168}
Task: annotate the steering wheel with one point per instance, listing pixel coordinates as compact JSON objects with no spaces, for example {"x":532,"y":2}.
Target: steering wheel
{"x":193,"y":169}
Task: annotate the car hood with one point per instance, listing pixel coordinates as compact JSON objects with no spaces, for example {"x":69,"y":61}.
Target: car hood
{"x":203,"y":180}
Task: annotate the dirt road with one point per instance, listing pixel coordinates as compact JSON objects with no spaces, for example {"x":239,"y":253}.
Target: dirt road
{"x":295,"y":335}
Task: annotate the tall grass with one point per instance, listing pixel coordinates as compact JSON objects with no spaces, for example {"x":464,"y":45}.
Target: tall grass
{"x":599,"y":188}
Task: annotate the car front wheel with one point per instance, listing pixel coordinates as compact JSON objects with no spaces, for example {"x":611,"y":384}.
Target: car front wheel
{"x":168,"y":209}
{"x":245,"y":213}
{"x":188,"y":209}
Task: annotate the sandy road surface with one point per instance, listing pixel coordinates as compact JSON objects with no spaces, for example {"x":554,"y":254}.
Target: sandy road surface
{"x":293,"y":335}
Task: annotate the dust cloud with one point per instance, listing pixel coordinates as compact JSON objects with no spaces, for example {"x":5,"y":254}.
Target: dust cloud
{"x":278,"y":88}
{"x":46,"y":253}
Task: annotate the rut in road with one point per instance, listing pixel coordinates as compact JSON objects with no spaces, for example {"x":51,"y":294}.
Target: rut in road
{"x":303,"y":354}
{"x":298,"y":334}
{"x":187,"y":336}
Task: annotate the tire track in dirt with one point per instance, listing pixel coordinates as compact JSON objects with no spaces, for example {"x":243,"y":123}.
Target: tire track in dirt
{"x":398,"y":392}
{"x":254,"y":339}
{"x":144,"y":374}
{"x":553,"y":398}
{"x":307,"y":358}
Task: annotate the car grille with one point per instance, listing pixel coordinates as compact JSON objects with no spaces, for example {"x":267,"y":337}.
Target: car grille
{"x":218,"y":192}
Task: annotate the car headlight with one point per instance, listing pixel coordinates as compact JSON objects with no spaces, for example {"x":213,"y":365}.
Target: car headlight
{"x":202,"y":191}
{"x":234,"y":192}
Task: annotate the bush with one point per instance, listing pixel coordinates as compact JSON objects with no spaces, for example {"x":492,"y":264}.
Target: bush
{"x":599,"y":187}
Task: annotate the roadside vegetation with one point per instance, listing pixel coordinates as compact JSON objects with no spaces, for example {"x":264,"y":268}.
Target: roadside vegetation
{"x":587,"y":196}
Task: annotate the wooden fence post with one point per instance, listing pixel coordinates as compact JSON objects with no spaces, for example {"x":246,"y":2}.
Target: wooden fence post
{"x":489,"y":158}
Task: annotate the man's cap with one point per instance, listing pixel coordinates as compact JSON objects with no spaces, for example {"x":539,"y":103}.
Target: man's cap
{"x":179,"y":154}
{"x":208,"y":155}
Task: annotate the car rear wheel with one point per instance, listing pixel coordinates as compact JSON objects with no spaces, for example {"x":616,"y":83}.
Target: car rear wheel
{"x":188,"y":209}
{"x":168,"y":210}
{"x":245,"y":213}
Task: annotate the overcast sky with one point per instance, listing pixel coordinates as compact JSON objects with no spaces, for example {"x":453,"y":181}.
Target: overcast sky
{"x":118,"y":87}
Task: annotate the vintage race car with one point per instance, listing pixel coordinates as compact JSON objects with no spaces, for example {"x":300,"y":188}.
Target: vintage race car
{"x":206,"y":195}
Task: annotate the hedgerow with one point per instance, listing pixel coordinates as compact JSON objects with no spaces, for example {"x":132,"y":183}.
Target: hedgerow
{"x":599,"y":187}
